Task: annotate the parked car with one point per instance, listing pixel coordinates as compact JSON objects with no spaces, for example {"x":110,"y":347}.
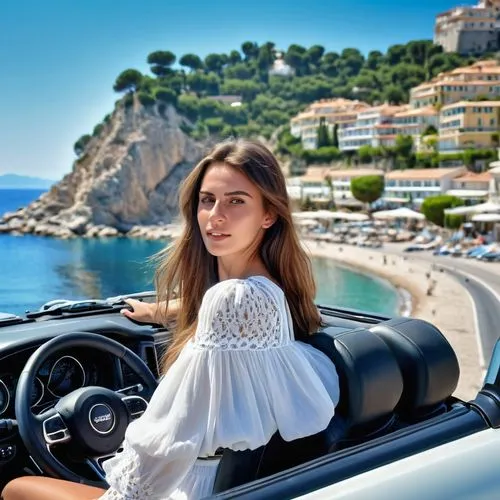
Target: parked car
{"x":398,"y":431}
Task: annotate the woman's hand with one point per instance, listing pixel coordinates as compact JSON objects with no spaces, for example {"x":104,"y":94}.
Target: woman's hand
{"x":143,"y":312}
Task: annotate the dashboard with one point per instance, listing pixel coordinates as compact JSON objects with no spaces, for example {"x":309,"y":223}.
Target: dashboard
{"x":59,"y":375}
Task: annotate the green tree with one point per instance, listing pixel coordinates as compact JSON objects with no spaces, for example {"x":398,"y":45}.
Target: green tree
{"x":165,"y":95}
{"x":433,"y":207}
{"x":145,"y":99}
{"x":374,"y":60}
{"x":296,"y":57}
{"x":323,"y":137}
{"x":239,"y":71}
{"x":250,"y":50}
{"x":329,"y":63}
{"x":394,"y":94}
{"x":81,"y":144}
{"x":404,"y":146}
{"x":189,"y":106}
{"x":161,"y":60}
{"x":247,"y":89}
{"x":395,"y":54}
{"x":128,"y":81}
{"x":430,"y":130}
{"x":234,"y":57}
{"x":214,"y":125}
{"x":314,"y":54}
{"x":191,"y":61}
{"x":214,"y":63}
{"x":203,"y":84}
{"x":367,"y":188}
{"x":335,"y":135}
{"x":265,"y":58}
{"x":365,"y":154}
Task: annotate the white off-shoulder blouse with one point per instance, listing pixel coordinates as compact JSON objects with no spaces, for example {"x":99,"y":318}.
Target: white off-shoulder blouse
{"x":239,"y":380}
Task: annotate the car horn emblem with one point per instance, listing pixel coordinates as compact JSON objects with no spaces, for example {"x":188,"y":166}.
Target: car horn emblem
{"x":102,"y":418}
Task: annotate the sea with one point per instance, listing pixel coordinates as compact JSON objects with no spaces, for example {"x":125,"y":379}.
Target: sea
{"x":35,"y":270}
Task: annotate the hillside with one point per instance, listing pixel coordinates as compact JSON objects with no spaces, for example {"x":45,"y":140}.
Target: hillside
{"x":269,"y":97}
{"x":128,"y":177}
{"x":128,"y":170}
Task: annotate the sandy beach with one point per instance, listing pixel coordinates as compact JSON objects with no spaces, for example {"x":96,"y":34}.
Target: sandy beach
{"x":449,"y":307}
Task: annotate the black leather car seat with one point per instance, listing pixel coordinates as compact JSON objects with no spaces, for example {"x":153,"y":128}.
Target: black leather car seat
{"x":428,"y":364}
{"x":370,"y":387}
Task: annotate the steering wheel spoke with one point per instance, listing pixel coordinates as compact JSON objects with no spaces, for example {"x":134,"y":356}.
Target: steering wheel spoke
{"x":54,"y":429}
{"x":136,"y":405}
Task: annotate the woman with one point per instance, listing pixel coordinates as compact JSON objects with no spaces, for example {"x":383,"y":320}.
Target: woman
{"x":235,"y":373}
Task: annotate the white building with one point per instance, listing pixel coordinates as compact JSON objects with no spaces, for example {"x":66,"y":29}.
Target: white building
{"x":417,"y":184}
{"x":469,"y":29}
{"x":340,"y":112}
{"x":473,"y":187}
{"x":374,"y":126}
{"x":315,"y":186}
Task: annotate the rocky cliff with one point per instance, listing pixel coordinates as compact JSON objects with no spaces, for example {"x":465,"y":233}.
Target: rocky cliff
{"x":127,"y":178}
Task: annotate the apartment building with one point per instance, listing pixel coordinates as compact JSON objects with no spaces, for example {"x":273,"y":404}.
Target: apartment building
{"x":417,"y":184}
{"x":314,"y":183}
{"x":467,"y":124}
{"x":375,"y":126}
{"x":469,"y":30}
{"x":342,"y":112}
{"x":479,"y":79}
{"x":473,"y":187}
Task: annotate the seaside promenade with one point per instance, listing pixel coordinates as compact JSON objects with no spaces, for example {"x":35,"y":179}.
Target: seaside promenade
{"x":451,"y":306}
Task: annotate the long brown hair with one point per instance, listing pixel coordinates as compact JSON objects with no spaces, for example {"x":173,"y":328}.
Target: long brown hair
{"x":188,"y":270}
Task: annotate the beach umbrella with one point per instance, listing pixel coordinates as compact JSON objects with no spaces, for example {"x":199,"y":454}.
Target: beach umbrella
{"x":481,"y":208}
{"x":488,"y":217}
{"x":399,"y":213}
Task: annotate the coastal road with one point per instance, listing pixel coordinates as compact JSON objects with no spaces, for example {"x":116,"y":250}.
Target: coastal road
{"x":487,"y":310}
{"x":483,"y":285}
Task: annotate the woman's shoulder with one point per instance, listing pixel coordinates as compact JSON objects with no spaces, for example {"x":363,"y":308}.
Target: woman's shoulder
{"x":250,"y":284}
{"x":250,"y":297}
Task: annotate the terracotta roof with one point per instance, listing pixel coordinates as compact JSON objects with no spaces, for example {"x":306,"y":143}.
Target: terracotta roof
{"x":426,"y":111}
{"x":338,"y":102}
{"x":388,"y":108}
{"x":473,"y":177}
{"x":422,"y":173}
{"x":471,"y":104}
{"x":354,"y":172}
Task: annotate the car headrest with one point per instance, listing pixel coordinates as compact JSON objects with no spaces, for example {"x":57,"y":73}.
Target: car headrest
{"x":426,"y":359}
{"x":370,"y":380}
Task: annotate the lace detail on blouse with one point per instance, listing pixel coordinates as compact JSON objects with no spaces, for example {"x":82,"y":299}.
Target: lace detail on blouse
{"x":239,"y":314}
{"x":126,"y":478}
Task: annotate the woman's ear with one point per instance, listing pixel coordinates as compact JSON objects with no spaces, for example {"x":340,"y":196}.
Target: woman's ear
{"x":269,"y":220}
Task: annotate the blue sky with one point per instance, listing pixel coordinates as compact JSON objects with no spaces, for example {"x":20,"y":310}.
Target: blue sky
{"x":59,"y":59}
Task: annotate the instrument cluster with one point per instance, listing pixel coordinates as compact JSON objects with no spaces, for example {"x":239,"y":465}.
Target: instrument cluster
{"x":57,"y":377}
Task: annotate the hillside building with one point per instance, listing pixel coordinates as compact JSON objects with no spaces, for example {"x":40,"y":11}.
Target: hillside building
{"x":469,"y":30}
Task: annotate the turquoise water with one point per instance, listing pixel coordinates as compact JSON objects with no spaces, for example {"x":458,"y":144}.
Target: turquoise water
{"x":34,"y":270}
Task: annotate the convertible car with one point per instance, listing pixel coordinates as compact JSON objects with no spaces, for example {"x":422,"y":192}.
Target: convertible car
{"x":74,"y":374}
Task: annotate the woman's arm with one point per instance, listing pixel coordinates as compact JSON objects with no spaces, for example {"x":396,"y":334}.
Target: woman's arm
{"x":154,"y":312}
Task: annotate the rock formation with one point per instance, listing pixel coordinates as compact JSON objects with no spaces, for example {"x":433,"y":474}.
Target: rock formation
{"x":127,"y":177}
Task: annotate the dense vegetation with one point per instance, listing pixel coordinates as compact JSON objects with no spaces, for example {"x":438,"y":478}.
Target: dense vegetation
{"x":433,"y":208}
{"x":269,"y":101}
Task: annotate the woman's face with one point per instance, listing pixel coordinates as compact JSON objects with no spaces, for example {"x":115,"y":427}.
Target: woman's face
{"x":231,"y":213}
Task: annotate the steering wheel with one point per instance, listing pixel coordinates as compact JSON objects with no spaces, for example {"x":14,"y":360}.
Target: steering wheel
{"x":91,"y":421}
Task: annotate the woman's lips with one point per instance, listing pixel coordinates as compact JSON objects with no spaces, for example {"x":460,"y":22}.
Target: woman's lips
{"x":216,"y":236}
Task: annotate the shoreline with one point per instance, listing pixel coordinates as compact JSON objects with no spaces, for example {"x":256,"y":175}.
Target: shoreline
{"x":449,"y":306}
{"x":406,"y":301}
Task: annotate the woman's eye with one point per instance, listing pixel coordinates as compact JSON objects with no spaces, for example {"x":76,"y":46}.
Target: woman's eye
{"x":236,"y":201}
{"x":206,"y":199}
